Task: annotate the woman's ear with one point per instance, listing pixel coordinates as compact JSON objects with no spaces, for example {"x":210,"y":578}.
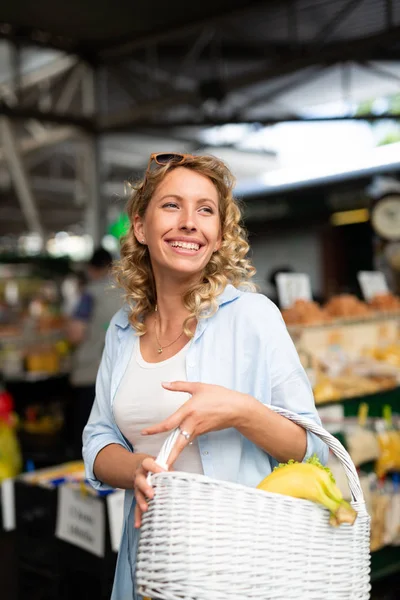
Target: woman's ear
{"x":138,"y":227}
{"x":218,"y":244}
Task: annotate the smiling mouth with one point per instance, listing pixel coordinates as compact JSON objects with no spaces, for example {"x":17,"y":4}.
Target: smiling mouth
{"x":189,"y":246}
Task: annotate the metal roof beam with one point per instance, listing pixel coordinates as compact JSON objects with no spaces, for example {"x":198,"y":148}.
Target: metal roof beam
{"x":22,"y":113}
{"x":52,"y":137}
{"x":61,"y":186}
{"x":70,"y":88}
{"x":341,"y":15}
{"x":338,"y":52}
{"x":299,"y":79}
{"x":20,"y":177}
{"x":380,"y":71}
{"x":123,"y":119}
{"x":266,"y":121}
{"x":125,"y":49}
{"x":37,"y":76}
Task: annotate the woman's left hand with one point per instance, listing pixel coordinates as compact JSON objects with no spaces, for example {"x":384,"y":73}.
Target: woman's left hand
{"x":211,"y":408}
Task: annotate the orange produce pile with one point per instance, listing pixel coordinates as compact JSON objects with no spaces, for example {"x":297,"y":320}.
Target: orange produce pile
{"x":384,"y":302}
{"x":304,"y":312}
{"x":346,"y":306}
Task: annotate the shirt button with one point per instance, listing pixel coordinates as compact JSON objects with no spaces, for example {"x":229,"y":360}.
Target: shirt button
{"x":205,"y":453}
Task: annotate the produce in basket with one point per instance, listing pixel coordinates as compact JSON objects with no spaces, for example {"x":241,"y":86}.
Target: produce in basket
{"x":310,"y":481}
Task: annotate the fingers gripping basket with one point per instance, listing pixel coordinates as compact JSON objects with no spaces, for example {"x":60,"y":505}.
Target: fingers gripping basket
{"x":205,"y":539}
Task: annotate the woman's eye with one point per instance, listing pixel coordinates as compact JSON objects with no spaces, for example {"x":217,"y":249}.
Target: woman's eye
{"x":207,"y":209}
{"x":170,"y":205}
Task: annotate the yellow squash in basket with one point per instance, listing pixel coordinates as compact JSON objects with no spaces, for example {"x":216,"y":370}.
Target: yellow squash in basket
{"x":310,"y":481}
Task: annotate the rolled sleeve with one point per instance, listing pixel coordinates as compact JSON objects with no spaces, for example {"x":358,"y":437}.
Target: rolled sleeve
{"x":290,"y":386}
{"x":101,"y":429}
{"x":316,"y":446}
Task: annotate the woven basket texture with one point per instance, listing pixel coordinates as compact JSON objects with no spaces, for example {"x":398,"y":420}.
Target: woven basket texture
{"x":205,"y":539}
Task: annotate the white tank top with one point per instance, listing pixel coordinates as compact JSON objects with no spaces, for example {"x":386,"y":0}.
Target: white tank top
{"x":141,"y":401}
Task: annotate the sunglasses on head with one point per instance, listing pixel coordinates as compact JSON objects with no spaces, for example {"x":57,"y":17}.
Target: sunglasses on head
{"x":164,"y":158}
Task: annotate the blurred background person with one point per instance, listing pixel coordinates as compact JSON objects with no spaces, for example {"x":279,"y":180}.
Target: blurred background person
{"x":86,"y":329}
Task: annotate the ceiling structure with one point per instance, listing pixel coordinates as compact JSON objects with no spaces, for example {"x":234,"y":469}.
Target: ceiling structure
{"x":89,"y":88}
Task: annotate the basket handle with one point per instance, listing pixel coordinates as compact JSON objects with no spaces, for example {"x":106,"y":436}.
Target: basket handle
{"x":333,"y":443}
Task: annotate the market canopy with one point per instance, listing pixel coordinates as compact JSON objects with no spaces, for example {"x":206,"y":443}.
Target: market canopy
{"x":159,"y":75}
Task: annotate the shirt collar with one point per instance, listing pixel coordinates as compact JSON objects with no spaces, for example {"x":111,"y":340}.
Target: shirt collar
{"x":121,"y":319}
{"x":229,"y":294}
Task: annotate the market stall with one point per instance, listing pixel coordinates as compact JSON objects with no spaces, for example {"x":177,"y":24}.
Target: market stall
{"x":34,"y":355}
{"x":351,"y":352}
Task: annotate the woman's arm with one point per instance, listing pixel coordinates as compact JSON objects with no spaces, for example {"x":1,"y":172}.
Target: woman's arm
{"x":101,"y":431}
{"x":280,"y":438}
{"x":116,"y":466}
{"x":289,"y":388}
{"x":119,"y":468}
{"x":212,"y":408}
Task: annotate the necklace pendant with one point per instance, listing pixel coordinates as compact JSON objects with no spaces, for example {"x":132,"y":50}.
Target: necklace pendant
{"x":160,"y":351}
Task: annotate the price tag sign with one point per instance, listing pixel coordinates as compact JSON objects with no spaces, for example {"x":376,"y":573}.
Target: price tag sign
{"x":372,"y":283}
{"x":292,"y":287}
{"x":115,"y":508}
{"x":80,"y":520}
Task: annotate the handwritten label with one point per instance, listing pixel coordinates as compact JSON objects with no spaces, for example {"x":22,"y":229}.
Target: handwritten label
{"x":292,"y":287}
{"x":80,"y":520}
{"x":115,"y":508}
{"x":372,"y":283}
{"x":8,"y":504}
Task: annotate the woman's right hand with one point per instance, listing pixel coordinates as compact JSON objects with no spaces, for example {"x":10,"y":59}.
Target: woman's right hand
{"x":142,"y":488}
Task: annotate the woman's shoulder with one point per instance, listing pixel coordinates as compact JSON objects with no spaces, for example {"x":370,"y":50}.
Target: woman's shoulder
{"x":256,"y":305}
{"x":255,"y":312}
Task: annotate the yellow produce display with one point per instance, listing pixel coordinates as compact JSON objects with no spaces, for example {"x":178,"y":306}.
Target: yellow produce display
{"x":389,"y":354}
{"x":10,"y":452}
{"x":325,"y":391}
{"x":310,"y":481}
{"x":389,"y":445}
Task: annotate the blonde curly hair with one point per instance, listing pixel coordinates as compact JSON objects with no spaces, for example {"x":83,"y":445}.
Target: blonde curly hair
{"x":134,"y":274}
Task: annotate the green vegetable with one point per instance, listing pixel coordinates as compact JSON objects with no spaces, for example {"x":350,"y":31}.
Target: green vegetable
{"x":313,"y":460}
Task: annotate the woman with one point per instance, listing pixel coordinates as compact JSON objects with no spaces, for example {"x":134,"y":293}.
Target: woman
{"x":191,"y":349}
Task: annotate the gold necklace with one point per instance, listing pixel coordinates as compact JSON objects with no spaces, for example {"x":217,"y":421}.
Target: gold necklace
{"x":160,"y":347}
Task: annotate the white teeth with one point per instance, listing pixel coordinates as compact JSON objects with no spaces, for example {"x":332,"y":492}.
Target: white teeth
{"x":187,"y":245}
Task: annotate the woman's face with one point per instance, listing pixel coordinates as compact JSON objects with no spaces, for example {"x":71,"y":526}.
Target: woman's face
{"x":181,"y":226}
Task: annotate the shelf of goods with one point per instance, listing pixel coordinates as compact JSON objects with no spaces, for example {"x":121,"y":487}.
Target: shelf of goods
{"x":34,"y":370}
{"x":353,"y":365}
{"x":352,"y":358}
{"x":381,"y":487}
{"x":32,"y":322}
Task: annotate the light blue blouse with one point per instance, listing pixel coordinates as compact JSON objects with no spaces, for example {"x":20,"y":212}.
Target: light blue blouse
{"x":244,"y":346}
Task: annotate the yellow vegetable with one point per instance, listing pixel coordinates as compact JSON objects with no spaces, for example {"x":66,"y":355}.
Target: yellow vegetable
{"x":310,"y":482}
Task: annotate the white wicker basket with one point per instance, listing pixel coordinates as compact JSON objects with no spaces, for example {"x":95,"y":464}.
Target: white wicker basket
{"x":205,"y":539}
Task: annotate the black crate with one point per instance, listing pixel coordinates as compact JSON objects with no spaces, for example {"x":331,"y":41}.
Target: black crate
{"x":8,"y":567}
{"x":36,"y":513}
{"x":85,"y":575}
{"x":36,"y":584}
{"x":52,"y":567}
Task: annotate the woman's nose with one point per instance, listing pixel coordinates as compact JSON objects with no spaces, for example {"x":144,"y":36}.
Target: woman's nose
{"x":188,"y":221}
